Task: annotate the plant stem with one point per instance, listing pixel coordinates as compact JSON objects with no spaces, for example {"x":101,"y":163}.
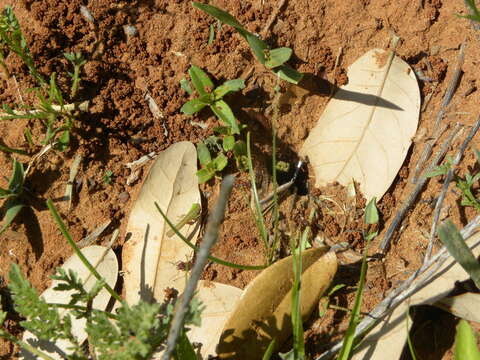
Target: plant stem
{"x":25,"y":345}
{"x":77,"y":251}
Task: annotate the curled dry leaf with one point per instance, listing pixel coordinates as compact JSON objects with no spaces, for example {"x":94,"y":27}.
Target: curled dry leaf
{"x":387,"y":339}
{"x":105,"y":261}
{"x":366,"y":129}
{"x":150,"y":256}
{"x":263,"y":311}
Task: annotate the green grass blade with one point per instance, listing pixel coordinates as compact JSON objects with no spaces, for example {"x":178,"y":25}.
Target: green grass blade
{"x":277,"y":57}
{"x":456,"y":246}
{"x":258,"y":209}
{"x":195,"y":248}
{"x":12,"y":150}
{"x":297,"y":325}
{"x":13,"y":207}
{"x":269,"y":352}
{"x":200,"y":80}
{"x":225,"y":114}
{"x":15,"y":184}
{"x":465,"y":343}
{"x":221,"y":15}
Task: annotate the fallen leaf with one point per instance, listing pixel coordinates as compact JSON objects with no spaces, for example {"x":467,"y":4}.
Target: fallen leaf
{"x":366,"y":129}
{"x":263,"y":311}
{"x":387,"y":339}
{"x":150,"y":256}
{"x":105,"y":261}
{"x":464,"y":306}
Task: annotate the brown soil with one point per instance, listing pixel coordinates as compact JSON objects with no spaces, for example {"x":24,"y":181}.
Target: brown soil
{"x":119,"y":126}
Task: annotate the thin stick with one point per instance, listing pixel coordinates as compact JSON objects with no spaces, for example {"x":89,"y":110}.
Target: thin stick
{"x":446,"y":183}
{"x":67,"y":108}
{"x":405,"y":290}
{"x":385,"y":244}
{"x":211,"y":235}
{"x":452,"y":86}
{"x":71,"y":178}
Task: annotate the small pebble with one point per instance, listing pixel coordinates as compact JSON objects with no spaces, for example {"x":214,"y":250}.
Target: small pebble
{"x":124,"y":197}
{"x":86,"y":14}
{"x":130,"y":30}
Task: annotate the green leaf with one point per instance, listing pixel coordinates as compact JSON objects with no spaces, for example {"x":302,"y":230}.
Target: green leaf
{"x":204,"y":175}
{"x":5,"y":193}
{"x":221,"y":15}
{"x":200,"y":80}
{"x":13,"y":207}
{"x":286,"y":73}
{"x":15,"y":184}
{"x":211,"y":35}
{"x":277,"y":57}
{"x":185,"y":85}
{"x":269,"y":352}
{"x":228,"y":87}
{"x":371,"y":212}
{"x":63,"y":141}
{"x":12,"y":150}
{"x":184,"y":349}
{"x":258,"y":46}
{"x":192,"y":106}
{"x":465,"y":343}
{"x":456,"y":246}
{"x":225,"y":114}
{"x":220,"y":162}
{"x":222,"y":130}
{"x":203,"y":154}
{"x":228,"y":142}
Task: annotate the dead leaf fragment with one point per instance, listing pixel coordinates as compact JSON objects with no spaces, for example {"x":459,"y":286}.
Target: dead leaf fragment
{"x":150,"y":256}
{"x":464,"y":306}
{"x":263,"y":311}
{"x":366,"y":129}
{"x":105,"y":261}
{"x":387,"y":339}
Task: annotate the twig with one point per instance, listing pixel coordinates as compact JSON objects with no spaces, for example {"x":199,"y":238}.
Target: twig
{"x":90,"y":238}
{"x":211,"y":235}
{"x":405,"y":290}
{"x":385,"y":244}
{"x":73,"y":173}
{"x":427,"y":151}
{"x":67,"y":108}
{"x":446,"y":183}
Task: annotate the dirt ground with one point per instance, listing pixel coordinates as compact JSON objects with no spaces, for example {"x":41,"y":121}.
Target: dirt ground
{"x":170,"y":36}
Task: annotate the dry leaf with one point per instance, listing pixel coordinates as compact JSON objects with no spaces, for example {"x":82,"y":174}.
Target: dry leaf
{"x":464,"y":306}
{"x":366,"y":129}
{"x":263,"y":311}
{"x":150,"y":256}
{"x":105,"y":261}
{"x":388,"y":338}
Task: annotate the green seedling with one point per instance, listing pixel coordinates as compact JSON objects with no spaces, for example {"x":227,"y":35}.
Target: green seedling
{"x":190,"y":217}
{"x":324,"y":303}
{"x":237,"y":147}
{"x":212,"y":97}
{"x":465,"y":185}
{"x":273,"y":59}
{"x":132,"y":332}
{"x":474,"y":12}
{"x":108,"y":177}
{"x":77,"y":61}
{"x":210,"y":166}
{"x":13,"y":195}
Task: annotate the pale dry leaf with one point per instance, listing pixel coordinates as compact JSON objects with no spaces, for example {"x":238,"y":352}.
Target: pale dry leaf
{"x":105,"y":262}
{"x":388,"y":338}
{"x":464,"y":306}
{"x":367,"y":128}
{"x":263,"y":311}
{"x":150,"y":256}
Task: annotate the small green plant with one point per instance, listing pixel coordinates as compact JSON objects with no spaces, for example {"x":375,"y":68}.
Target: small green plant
{"x":134,"y":332}
{"x":55,"y":114}
{"x":212,"y":97}
{"x":13,"y":195}
{"x":108,"y":177}
{"x":465,"y":185}
{"x":474,"y":12}
{"x":273,"y":59}
{"x":209,"y":166}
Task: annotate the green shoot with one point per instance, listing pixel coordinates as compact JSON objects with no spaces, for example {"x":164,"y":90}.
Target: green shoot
{"x":411,"y":349}
{"x":77,"y":61}
{"x":371,"y":217}
{"x":108,"y":177}
{"x":212,"y":97}
{"x":325,"y":300}
{"x":466,"y":342}
{"x":273,"y":59}
{"x":195,"y":248}
{"x":11,"y":37}
{"x":209,"y":166}
{"x":456,"y":246}
{"x":12,"y":194}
